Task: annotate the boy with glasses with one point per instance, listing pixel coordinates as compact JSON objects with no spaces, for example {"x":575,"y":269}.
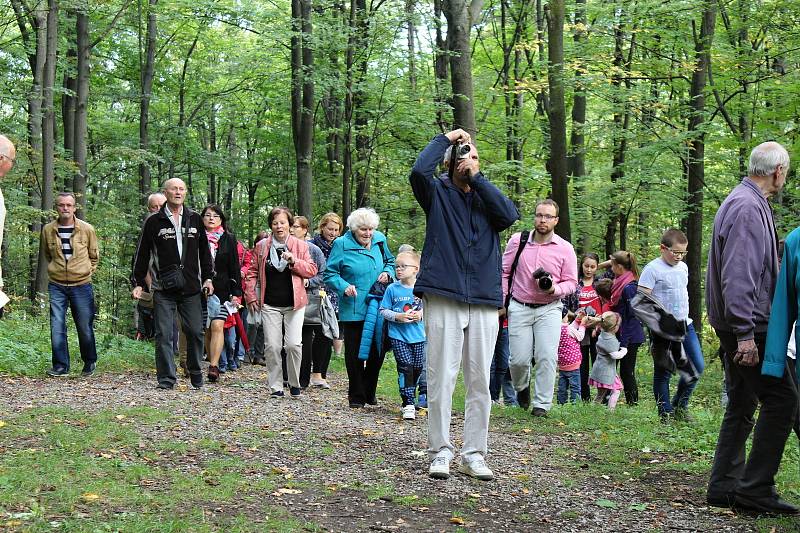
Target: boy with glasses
{"x":403,"y":310}
{"x":666,"y":278}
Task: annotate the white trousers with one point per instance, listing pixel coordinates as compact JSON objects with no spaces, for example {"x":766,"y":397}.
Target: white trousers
{"x":534,"y":332}
{"x":283,"y":328}
{"x":459,"y":334}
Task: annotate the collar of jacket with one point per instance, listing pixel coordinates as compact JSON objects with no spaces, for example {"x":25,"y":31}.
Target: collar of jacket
{"x":350,"y":242}
{"x":79,"y":225}
{"x":750,"y":184}
{"x":167,"y":214}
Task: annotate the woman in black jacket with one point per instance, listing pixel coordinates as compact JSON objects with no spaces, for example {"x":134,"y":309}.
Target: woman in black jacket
{"x":227,"y":281}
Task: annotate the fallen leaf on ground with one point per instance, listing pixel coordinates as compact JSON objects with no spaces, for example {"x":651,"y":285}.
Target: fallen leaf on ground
{"x":457,"y":520}
{"x":90,"y":497}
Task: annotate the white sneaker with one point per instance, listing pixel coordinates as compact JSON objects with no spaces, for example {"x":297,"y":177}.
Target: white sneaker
{"x":477,"y":469}
{"x":440,"y":467}
{"x":409,"y":412}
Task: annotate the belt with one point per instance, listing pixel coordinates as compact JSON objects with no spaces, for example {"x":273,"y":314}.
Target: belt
{"x":534,"y":306}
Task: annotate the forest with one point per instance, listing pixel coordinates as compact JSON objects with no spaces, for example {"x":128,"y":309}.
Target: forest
{"x":634,"y":115}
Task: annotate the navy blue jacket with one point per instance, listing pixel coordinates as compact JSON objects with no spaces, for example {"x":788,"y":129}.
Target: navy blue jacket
{"x":461,"y":256}
{"x":630,"y":331}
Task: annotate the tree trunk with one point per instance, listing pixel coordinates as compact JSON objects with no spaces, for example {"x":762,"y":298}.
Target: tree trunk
{"x":303,"y":103}
{"x":212,"y":149}
{"x":696,"y":161}
{"x":412,"y":52}
{"x":440,"y":69}
{"x":48,"y":131}
{"x":69,"y":90}
{"x":557,"y":114}
{"x":81,"y":111}
{"x":457,"y":13}
{"x":576,"y":161}
{"x":147,"y":72}
{"x":35,"y":40}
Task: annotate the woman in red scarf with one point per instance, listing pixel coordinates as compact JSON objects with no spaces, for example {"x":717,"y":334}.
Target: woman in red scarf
{"x":227,"y":281}
{"x":631,"y":333}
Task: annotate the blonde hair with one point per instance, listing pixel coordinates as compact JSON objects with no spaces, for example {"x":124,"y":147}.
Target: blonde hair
{"x":330,"y":217}
{"x":410,"y":253}
{"x":609,"y":320}
{"x":626,"y":260}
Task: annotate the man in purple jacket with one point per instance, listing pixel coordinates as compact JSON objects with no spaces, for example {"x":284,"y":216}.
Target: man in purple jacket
{"x":740,"y":281}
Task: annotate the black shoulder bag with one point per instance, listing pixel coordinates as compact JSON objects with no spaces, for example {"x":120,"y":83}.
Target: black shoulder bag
{"x":171,"y":278}
{"x":523,"y":240}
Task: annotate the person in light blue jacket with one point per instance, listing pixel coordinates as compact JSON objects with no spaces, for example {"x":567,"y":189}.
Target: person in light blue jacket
{"x":358,"y":259}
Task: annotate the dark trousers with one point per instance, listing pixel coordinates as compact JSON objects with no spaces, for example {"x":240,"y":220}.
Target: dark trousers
{"x":589,"y":353}
{"x":362,"y":376}
{"x":627,"y":373}
{"x":732,"y":470}
{"x":189,"y":308}
{"x":316,"y":353}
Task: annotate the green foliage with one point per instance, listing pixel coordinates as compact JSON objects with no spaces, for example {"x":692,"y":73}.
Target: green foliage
{"x":25,"y":348}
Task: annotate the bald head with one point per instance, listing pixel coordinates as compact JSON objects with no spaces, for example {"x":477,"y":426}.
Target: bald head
{"x":155,"y":201}
{"x":175,"y":191}
{"x":8,"y":154}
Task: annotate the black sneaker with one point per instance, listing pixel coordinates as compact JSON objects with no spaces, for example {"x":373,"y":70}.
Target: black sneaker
{"x":538,"y":412}
{"x":166,"y":386}
{"x":88,"y":370}
{"x":295,"y":392}
{"x":276,"y":394}
{"x":524,"y":398}
{"x":59,"y":372}
{"x":197,"y":380}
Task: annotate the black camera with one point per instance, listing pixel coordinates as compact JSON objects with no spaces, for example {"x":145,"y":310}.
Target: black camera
{"x":588,"y":310}
{"x":543,"y":278}
{"x":462,"y":151}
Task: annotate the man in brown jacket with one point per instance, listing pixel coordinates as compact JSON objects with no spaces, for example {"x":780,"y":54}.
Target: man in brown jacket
{"x":70,"y":247}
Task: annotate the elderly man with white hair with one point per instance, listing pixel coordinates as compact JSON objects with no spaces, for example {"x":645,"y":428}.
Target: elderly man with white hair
{"x":357,"y":260}
{"x":175,"y":239}
{"x":740,"y":283}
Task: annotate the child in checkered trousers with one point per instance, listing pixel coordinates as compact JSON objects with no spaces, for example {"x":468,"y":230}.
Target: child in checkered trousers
{"x":403,"y":310}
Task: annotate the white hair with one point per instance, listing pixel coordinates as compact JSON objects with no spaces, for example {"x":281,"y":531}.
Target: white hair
{"x":364,"y":217}
{"x":405,"y":248}
{"x":766,"y":157}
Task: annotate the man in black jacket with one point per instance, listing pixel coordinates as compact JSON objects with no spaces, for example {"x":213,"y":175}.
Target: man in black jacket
{"x":460,"y":281}
{"x":173,"y":247}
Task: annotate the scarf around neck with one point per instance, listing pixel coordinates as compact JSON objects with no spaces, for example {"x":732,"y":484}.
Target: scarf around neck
{"x":323,"y":245}
{"x":620,"y":282}
{"x":275,"y":260}
{"x":214,"y":236}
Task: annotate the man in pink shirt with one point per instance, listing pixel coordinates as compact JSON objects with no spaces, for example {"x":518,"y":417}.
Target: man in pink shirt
{"x":534,"y":310}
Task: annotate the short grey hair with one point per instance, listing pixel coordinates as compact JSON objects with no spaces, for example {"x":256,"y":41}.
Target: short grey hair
{"x":405,"y":248}
{"x":363,"y":217}
{"x":766,"y":157}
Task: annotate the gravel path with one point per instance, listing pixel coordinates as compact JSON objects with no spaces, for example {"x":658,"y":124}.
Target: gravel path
{"x":360,"y":470}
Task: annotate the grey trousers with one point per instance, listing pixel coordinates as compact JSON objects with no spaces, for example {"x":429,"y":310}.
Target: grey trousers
{"x":459,"y":335}
{"x":189,"y":308}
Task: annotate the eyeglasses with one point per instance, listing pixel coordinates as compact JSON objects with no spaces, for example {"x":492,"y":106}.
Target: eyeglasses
{"x":541,"y":216}
{"x":211,"y":215}
{"x":678,"y":253}
{"x":12,"y":159}
{"x":403,"y":267}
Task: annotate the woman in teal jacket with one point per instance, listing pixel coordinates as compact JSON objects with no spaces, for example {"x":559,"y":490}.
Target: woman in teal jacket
{"x":357,"y":259}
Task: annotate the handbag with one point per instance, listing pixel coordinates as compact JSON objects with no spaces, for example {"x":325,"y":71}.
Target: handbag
{"x":327,"y":316}
{"x":312,"y":315}
{"x":146,"y":300}
{"x":171,"y":278}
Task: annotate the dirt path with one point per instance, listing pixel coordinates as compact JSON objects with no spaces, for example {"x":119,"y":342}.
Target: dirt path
{"x":360,"y":470}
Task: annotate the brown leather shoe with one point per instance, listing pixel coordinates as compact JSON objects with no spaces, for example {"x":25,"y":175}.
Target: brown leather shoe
{"x":213,"y":374}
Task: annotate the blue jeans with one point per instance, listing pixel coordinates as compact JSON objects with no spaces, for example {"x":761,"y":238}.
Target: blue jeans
{"x":662,"y":377}
{"x":499,"y":374}
{"x":569,"y":379}
{"x":80,"y":300}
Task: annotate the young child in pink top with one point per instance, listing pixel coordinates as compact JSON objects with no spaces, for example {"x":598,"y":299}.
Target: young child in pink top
{"x":569,"y":357}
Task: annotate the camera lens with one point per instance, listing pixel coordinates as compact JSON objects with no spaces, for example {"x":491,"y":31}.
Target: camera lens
{"x":545,"y":282}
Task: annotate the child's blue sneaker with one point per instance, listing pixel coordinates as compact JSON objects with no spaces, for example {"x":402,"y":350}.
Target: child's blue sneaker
{"x":422,"y":401}
{"x":222,"y":368}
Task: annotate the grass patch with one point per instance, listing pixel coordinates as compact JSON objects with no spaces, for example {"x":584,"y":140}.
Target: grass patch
{"x":25,"y":348}
{"x":81,"y":471}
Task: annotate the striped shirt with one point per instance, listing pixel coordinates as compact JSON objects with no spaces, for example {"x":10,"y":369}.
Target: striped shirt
{"x":65,"y":233}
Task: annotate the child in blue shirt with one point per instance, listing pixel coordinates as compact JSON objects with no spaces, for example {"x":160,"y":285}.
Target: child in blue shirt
{"x":403,"y":310}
